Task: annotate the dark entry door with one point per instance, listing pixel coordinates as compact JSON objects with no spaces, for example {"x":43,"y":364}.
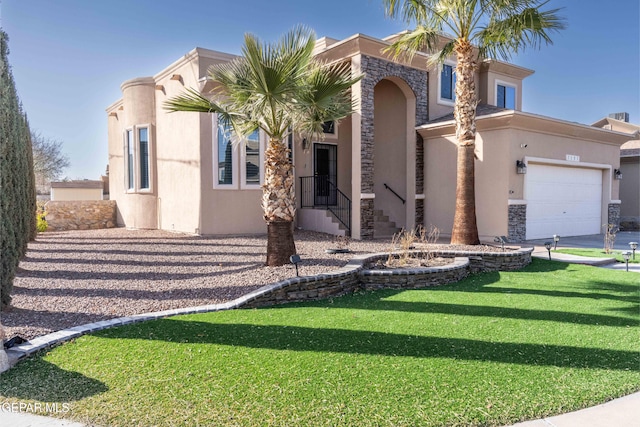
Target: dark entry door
{"x":325,"y":169}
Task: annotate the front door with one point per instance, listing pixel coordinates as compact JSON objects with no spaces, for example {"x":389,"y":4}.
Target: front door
{"x":325,"y":169}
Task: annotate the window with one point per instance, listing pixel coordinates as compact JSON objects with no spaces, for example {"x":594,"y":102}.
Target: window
{"x":129,"y":167}
{"x":137,"y":159}
{"x":143,"y":141}
{"x":230,"y":170}
{"x":447,"y":83}
{"x":506,"y":96}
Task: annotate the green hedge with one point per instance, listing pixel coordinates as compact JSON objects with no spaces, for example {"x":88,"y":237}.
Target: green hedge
{"x":17,"y":184}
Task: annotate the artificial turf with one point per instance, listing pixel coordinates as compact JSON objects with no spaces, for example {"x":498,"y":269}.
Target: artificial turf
{"x":493,"y":349}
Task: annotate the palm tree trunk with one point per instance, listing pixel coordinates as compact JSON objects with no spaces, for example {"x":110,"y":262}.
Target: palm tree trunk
{"x":279,"y":204}
{"x":465,"y":228}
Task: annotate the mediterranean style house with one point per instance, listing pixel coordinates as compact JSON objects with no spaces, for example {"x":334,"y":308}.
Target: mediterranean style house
{"x":629,"y":171}
{"x":389,"y":165}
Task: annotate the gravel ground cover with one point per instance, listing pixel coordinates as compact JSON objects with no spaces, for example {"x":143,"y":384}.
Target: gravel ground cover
{"x":74,"y":277}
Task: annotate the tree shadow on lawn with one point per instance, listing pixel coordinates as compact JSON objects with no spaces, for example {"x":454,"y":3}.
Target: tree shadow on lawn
{"x":37,"y":379}
{"x":321,"y":340}
{"x":491,"y":312}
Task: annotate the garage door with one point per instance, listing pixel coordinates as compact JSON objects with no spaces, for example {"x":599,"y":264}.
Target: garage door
{"x":562,"y":200}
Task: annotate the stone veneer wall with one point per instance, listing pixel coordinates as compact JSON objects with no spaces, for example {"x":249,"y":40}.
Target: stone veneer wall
{"x":517,"y":228}
{"x":80,"y":215}
{"x":366,"y":218}
{"x":374,"y":70}
{"x":419,"y":179}
{"x":354,"y":276}
{"x":614,"y":214}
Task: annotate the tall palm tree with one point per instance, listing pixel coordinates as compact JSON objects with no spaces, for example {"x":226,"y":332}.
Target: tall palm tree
{"x":479,"y":29}
{"x":275,"y":87}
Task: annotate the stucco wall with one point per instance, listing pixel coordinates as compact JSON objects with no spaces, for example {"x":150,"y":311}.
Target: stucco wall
{"x":496,"y":179}
{"x":630,"y":193}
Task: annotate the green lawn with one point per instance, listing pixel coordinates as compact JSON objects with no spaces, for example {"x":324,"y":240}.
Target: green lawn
{"x":494,"y":349}
{"x":599,"y":253}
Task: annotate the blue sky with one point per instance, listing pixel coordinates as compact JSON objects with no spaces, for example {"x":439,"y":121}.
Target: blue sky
{"x":69,"y":57}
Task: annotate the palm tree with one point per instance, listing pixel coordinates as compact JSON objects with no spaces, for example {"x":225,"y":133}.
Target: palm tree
{"x":275,"y":88}
{"x":480,"y":29}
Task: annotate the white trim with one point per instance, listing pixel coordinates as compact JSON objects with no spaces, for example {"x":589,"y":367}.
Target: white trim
{"x":419,"y":196}
{"x":615,"y":202}
{"x":234,"y":159}
{"x":364,"y":196}
{"x":126,"y":142}
{"x":440,"y":100}
{"x":515,"y":94}
{"x":574,"y":164}
{"x":135,"y":141}
{"x":517,"y":202}
{"x":137,"y":149}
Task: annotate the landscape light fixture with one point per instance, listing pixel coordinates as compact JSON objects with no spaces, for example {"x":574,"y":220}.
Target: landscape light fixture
{"x":556,"y":239}
{"x":626,"y":255}
{"x":617,"y":174}
{"x":548,"y":246}
{"x":521,"y":167}
{"x":634,"y":246}
{"x":295,"y":259}
{"x":501,"y":240}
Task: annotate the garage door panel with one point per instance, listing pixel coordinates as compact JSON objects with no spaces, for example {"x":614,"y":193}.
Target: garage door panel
{"x":562,"y":200}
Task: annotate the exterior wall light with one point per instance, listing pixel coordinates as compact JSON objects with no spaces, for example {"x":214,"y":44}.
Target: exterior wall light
{"x":548,"y":246}
{"x":633,"y":246}
{"x":617,"y":174}
{"x":556,"y":239}
{"x":626,"y":255}
{"x":521,"y":167}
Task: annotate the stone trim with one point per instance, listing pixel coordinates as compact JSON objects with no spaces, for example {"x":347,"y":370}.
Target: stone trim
{"x":420,"y":211}
{"x":366,"y":218}
{"x":613,"y":214}
{"x":517,"y":223}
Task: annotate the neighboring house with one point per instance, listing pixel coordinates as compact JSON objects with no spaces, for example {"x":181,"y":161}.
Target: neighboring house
{"x":391,"y":164}
{"x":629,"y":175}
{"x":76,"y":190}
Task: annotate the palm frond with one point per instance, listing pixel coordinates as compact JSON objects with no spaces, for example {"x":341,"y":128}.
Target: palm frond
{"x":191,"y":100}
{"x":529,"y":28}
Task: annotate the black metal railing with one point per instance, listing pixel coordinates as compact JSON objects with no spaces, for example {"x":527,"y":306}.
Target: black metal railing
{"x":397,"y":195}
{"x":321,"y":192}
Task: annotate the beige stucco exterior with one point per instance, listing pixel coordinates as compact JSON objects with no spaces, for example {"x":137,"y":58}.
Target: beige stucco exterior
{"x":376,"y":145}
{"x":76,"y":194}
{"x":503,"y":139}
{"x":630,"y":170}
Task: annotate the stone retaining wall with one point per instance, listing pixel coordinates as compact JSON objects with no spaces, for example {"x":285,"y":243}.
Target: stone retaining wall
{"x":354,"y":276}
{"x":412,"y":278}
{"x":80,"y":215}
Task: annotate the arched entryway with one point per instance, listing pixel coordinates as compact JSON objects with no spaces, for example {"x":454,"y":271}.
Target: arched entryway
{"x":394,"y":151}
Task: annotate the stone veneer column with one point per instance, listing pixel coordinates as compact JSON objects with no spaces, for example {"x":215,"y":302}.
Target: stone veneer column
{"x":374,"y":70}
{"x":517,"y":228}
{"x":419,"y":180}
{"x":613,"y":216}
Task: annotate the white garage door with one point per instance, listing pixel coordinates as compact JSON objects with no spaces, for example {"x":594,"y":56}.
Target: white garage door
{"x":562,"y":200}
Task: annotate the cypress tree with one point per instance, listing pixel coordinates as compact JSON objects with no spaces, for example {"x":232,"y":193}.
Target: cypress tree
{"x":16,"y":202}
